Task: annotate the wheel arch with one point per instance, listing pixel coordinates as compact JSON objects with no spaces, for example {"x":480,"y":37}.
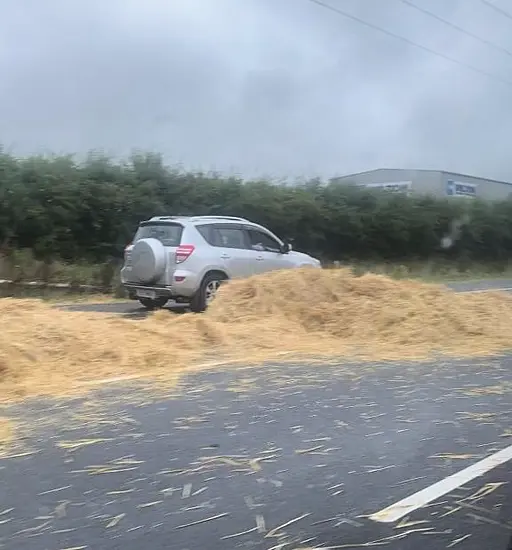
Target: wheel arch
{"x":216,"y":272}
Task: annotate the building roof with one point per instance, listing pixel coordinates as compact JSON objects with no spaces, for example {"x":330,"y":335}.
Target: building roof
{"x":420,"y":170}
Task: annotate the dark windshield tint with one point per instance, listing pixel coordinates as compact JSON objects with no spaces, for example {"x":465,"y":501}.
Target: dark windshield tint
{"x":167,"y":233}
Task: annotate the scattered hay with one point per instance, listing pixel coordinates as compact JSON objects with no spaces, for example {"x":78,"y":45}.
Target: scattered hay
{"x":306,"y":312}
{"x":6,"y":433}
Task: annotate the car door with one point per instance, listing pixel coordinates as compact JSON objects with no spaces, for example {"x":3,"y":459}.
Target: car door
{"x":232,"y":245}
{"x":267,"y":250}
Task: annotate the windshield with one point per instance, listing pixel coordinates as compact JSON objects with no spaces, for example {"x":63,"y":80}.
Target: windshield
{"x":169,"y":234}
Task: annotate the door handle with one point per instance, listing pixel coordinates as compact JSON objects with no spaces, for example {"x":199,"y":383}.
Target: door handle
{"x":259,"y":257}
{"x":225,"y":256}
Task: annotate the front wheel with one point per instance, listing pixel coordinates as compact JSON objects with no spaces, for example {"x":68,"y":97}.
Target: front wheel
{"x":207,"y":292}
{"x":151,"y":304}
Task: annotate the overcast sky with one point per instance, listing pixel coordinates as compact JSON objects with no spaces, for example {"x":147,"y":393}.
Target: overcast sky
{"x":254,"y":87}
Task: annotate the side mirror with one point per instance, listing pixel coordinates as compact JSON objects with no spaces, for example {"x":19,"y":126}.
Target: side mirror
{"x":286,"y":248}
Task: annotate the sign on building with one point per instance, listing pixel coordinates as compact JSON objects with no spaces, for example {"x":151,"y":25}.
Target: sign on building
{"x":394,"y":187}
{"x":460,"y":189}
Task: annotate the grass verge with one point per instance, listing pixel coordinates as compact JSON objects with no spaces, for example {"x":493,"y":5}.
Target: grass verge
{"x":21,"y":267}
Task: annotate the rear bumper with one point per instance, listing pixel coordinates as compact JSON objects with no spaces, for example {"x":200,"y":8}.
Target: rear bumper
{"x":160,"y":291}
{"x":182,"y":284}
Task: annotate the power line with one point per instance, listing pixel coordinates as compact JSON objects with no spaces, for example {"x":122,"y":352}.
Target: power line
{"x":411,"y":42}
{"x":456,"y":27}
{"x":497,"y":9}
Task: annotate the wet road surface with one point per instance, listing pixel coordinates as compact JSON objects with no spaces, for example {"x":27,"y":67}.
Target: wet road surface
{"x":278,"y":457}
{"x":274,"y":457}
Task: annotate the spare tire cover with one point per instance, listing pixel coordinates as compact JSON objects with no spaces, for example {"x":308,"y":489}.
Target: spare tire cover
{"x":148,"y":260}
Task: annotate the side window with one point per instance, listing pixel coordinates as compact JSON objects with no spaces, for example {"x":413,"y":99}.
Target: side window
{"x":208,"y":233}
{"x":223,"y":236}
{"x":229,"y":237}
{"x":263,"y":241}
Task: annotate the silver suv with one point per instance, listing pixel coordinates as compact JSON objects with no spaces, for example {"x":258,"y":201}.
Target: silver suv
{"x":185,"y":259}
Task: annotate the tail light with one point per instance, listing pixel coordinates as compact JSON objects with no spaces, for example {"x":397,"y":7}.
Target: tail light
{"x":183,"y":252}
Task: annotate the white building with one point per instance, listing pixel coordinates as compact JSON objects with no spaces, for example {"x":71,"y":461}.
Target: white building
{"x":432,"y":182}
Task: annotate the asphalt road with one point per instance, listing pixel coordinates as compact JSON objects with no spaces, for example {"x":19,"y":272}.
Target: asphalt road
{"x":276,"y":457}
{"x":232,"y":451}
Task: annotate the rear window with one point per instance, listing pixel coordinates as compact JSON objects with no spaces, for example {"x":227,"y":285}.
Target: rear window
{"x":168,"y":234}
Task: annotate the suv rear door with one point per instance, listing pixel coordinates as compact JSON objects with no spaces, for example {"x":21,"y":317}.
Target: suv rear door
{"x":231,"y":246}
{"x":167,"y":232}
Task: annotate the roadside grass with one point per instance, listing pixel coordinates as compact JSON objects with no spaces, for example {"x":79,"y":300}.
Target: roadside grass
{"x":435,"y":270}
{"x":80,"y":282}
{"x":87,"y":282}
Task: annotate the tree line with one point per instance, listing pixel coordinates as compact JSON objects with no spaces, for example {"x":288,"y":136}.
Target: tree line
{"x":88,"y":211}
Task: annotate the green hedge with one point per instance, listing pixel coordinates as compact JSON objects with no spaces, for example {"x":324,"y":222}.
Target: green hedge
{"x":88,"y":211}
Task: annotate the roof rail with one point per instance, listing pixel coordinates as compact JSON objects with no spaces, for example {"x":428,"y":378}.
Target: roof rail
{"x":230,"y":218}
{"x":199,"y":218}
{"x":156,"y":218}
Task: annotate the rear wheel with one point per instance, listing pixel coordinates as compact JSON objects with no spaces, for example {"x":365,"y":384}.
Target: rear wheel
{"x":207,"y":292}
{"x":157,"y":303}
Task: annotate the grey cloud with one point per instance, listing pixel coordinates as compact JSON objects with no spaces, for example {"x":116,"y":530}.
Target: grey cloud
{"x":257,"y":86}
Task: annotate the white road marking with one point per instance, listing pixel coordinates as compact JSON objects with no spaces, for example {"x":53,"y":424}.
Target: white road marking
{"x":421,"y":498}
